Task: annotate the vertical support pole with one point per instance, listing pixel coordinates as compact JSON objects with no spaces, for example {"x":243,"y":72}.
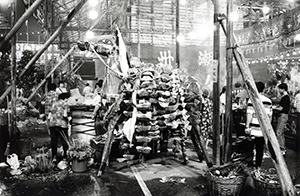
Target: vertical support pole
{"x":139,"y":29}
{"x":216,"y":89}
{"x":13,"y":78}
{"x":177,"y":34}
{"x":228,"y":109}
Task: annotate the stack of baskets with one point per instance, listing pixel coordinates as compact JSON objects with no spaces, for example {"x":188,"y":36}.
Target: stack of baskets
{"x":267,"y":182}
{"x":226,"y":180}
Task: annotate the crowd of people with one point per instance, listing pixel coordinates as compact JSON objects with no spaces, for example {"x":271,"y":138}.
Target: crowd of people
{"x":278,"y":110}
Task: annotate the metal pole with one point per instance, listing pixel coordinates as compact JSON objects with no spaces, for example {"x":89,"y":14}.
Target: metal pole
{"x":46,"y":45}
{"x":20,"y":22}
{"x":216,"y":88}
{"x":228,"y":108}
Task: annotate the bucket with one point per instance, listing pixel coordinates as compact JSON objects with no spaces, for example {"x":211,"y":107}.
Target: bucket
{"x":79,"y":166}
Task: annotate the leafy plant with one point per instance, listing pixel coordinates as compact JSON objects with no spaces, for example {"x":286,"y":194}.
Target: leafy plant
{"x":80,"y":151}
{"x":33,"y":76}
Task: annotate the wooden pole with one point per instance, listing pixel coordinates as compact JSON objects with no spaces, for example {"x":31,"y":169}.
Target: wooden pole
{"x":46,"y":45}
{"x":49,"y":74}
{"x":177,"y":34}
{"x":216,"y":88}
{"x":13,"y":72}
{"x":139,"y":29}
{"x":228,"y":109}
{"x":267,"y":129}
{"x":20,"y":22}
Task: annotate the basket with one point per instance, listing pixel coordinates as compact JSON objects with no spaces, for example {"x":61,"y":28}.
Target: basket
{"x":222,"y":186}
{"x":266,"y":188}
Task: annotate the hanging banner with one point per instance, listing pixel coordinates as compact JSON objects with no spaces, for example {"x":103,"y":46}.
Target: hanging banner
{"x":283,"y":25}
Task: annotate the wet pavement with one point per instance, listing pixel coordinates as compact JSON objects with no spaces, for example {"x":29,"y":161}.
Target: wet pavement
{"x":163,"y":175}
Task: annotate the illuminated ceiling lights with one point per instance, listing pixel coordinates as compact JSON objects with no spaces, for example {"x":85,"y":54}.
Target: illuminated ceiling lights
{"x":297,"y":37}
{"x":234,"y":16}
{"x":180,"y":38}
{"x":265,"y":9}
{"x":182,"y":2}
{"x":89,"y":34}
{"x":93,"y":14}
{"x":93,"y":2}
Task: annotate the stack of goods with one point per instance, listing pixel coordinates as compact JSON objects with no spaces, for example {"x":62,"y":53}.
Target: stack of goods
{"x":146,"y":131}
{"x":160,"y":112}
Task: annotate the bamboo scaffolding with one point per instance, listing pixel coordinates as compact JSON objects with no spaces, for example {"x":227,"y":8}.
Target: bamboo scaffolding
{"x":20,"y":22}
{"x":267,"y":129}
{"x":47,"y":44}
{"x":49,"y":74}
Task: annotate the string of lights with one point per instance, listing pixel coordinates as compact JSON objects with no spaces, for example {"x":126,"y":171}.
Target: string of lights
{"x":292,"y":55}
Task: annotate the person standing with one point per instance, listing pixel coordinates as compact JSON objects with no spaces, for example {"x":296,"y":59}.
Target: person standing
{"x":58,"y":119}
{"x":284,"y":109}
{"x":61,"y":88}
{"x":252,"y":124}
{"x":297,"y":106}
{"x":50,"y":98}
{"x":87,"y":90}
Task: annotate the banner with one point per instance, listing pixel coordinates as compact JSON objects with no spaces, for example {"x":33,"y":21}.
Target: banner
{"x":283,"y":25}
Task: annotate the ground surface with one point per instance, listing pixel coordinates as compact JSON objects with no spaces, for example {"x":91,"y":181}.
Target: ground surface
{"x":163,"y":175}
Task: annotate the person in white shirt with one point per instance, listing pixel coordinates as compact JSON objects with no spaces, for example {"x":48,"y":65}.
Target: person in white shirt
{"x":61,"y":88}
{"x":252,"y":124}
{"x":87,"y":90}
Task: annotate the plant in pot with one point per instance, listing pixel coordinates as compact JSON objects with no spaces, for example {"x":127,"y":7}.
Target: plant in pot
{"x":79,"y":154}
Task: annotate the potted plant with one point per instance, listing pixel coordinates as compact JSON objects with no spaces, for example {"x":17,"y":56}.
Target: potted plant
{"x":79,"y":154}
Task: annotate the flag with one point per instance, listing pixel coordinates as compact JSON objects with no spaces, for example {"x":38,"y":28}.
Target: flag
{"x":124,"y":65}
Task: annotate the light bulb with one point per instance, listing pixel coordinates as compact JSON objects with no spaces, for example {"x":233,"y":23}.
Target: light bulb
{"x":265,"y":9}
{"x":93,"y":14}
{"x":90,"y":34}
{"x":234,"y":16}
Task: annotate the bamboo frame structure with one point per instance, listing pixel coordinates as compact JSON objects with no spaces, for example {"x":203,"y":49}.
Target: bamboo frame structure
{"x":47,"y":44}
{"x":267,"y":129}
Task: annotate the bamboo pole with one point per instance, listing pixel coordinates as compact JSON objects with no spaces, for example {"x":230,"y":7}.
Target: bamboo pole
{"x":13,"y":72}
{"x":216,"y":88}
{"x":20,"y":22}
{"x":228,"y":108}
{"x":49,"y":74}
{"x":267,"y":129}
{"x":47,"y":44}
{"x":177,"y":34}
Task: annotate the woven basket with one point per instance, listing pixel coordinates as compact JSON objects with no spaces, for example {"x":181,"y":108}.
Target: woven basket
{"x":266,"y":188}
{"x":220,"y":186}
